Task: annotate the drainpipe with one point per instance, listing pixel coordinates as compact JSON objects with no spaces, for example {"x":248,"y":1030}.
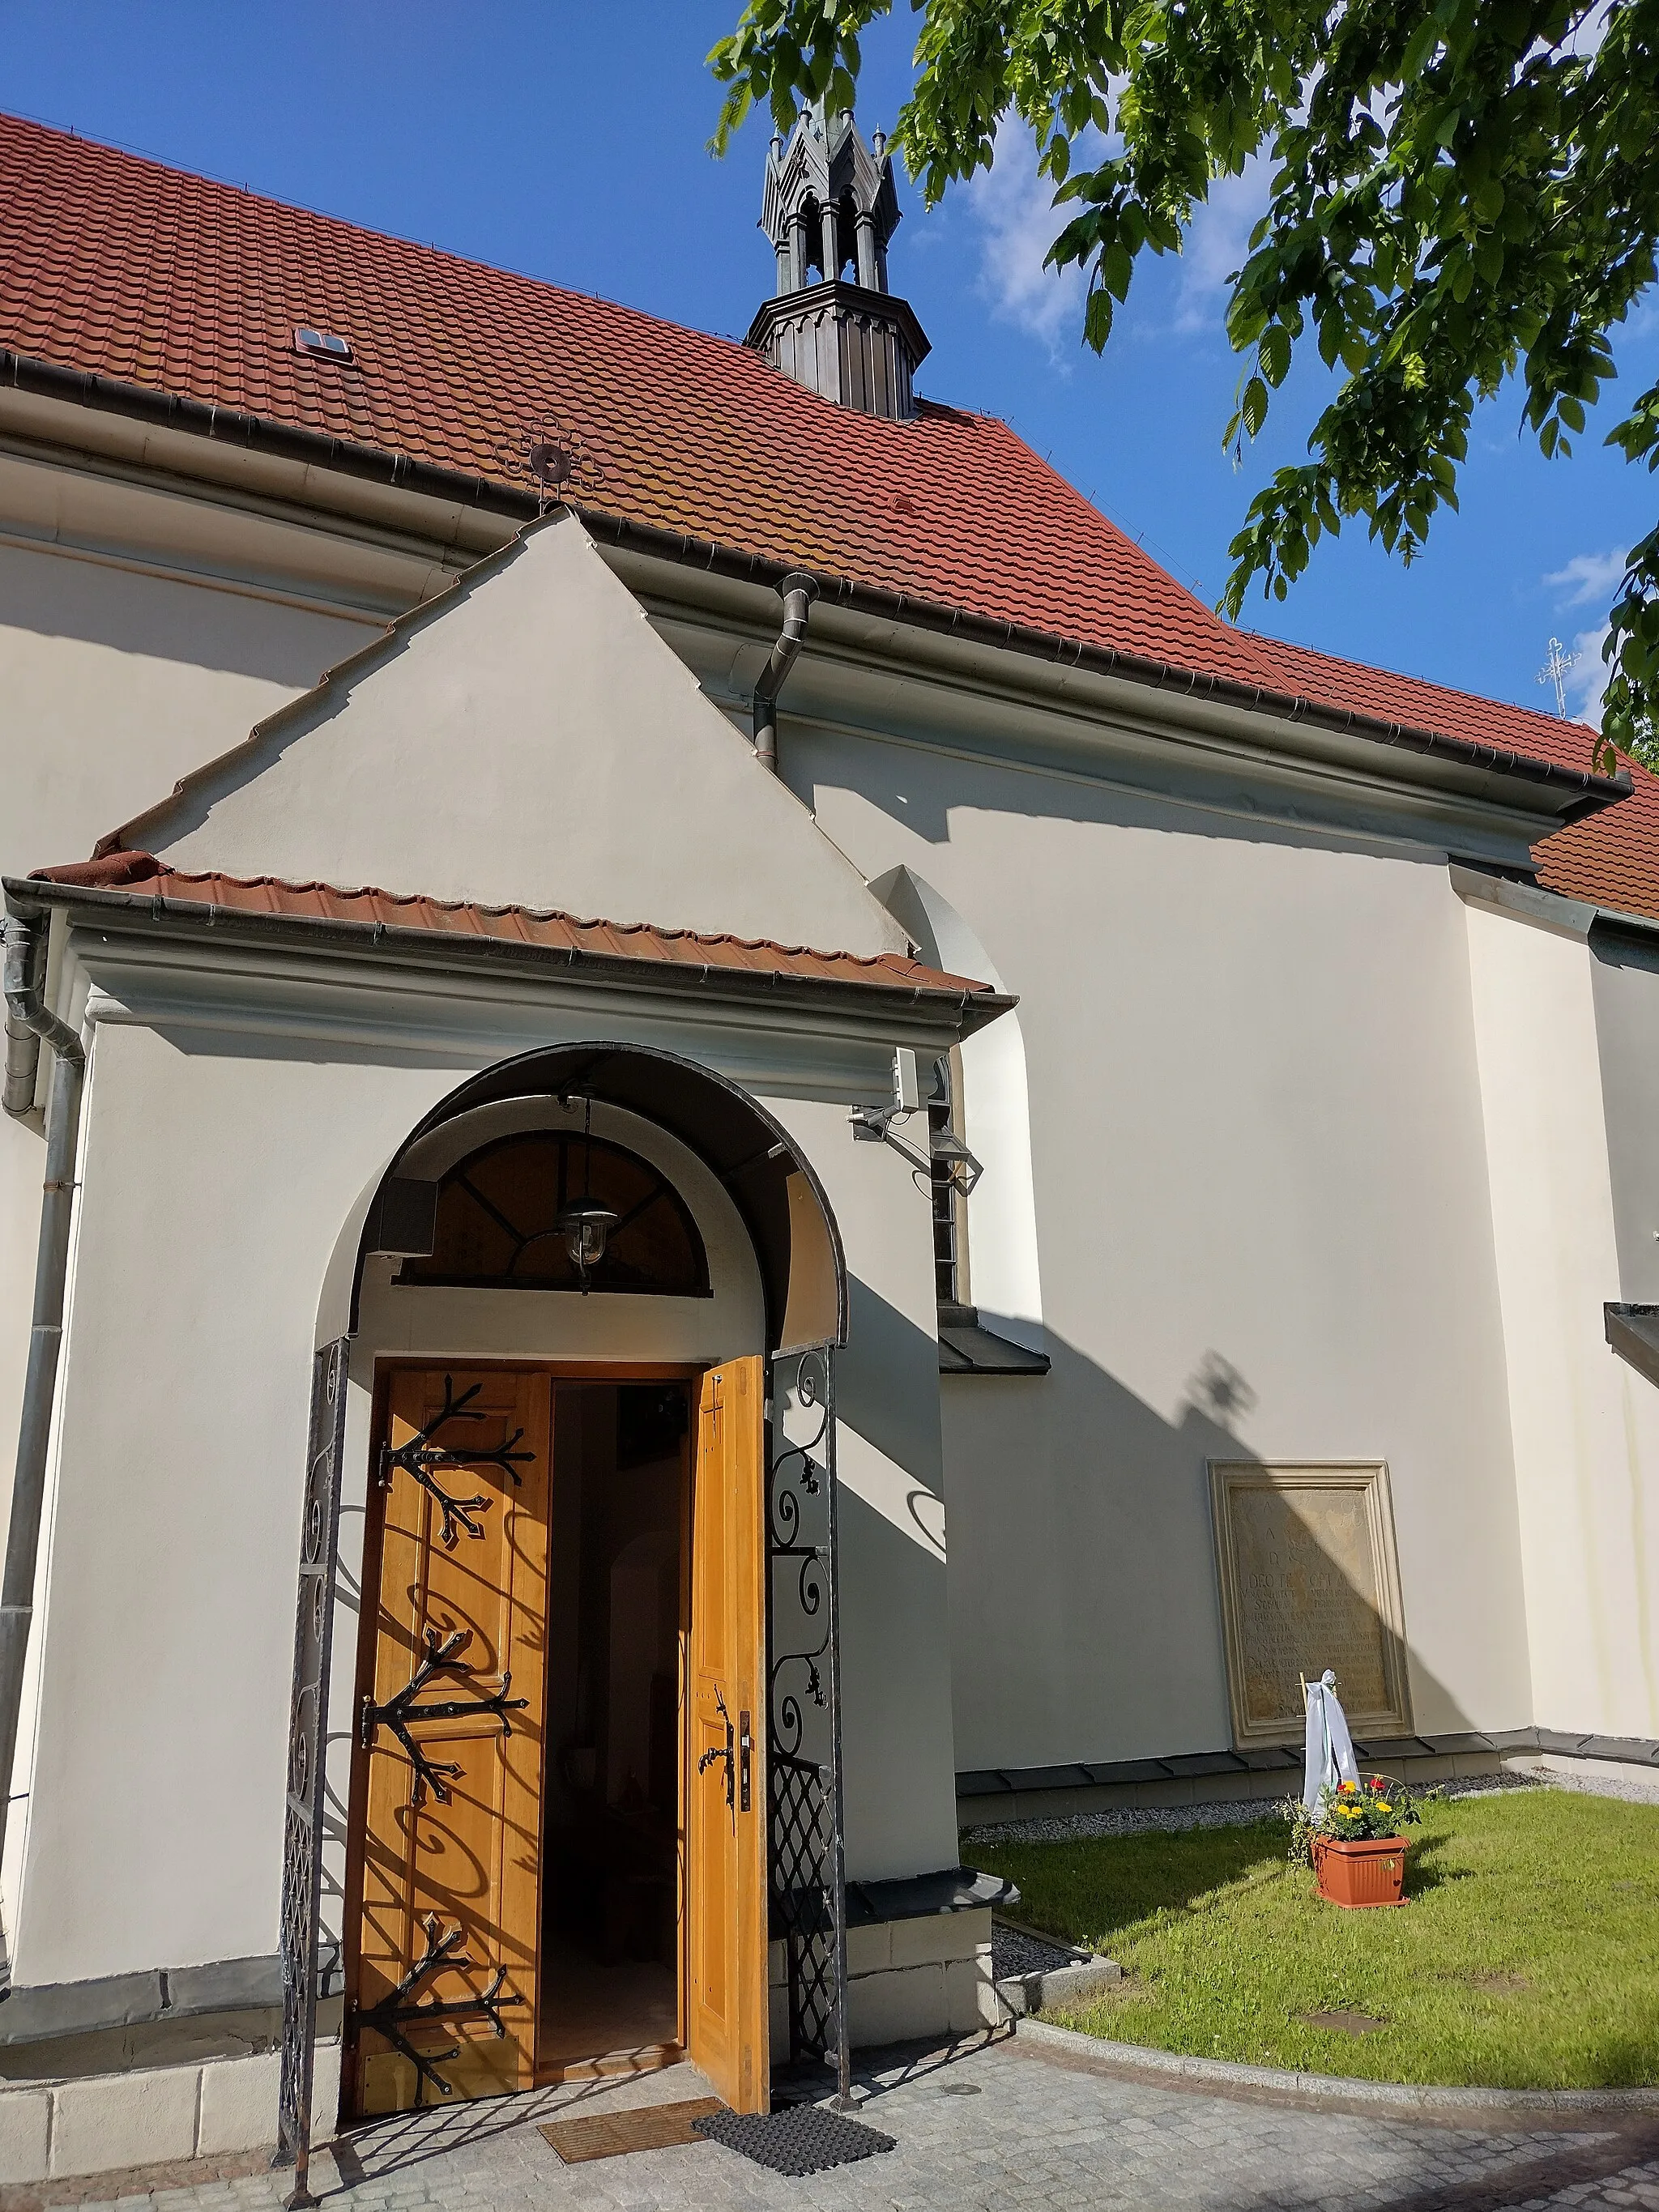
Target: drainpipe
{"x":796,"y":590}
{"x":28,"y":1016}
{"x":22,"y":1046}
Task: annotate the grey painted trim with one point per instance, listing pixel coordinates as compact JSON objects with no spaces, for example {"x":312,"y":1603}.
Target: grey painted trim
{"x":920,"y":1896}
{"x":47,"y":380}
{"x":966,"y":1348}
{"x":1633,"y":1333}
{"x":159,"y":1994}
{"x":967,"y":1010}
{"x":1547,"y":909}
{"x":57,"y":2009}
{"x":1003,"y":1781}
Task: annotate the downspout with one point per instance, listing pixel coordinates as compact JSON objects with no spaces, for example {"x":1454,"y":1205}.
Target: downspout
{"x":28,"y":1016}
{"x":797,"y":591}
{"x":23,"y":1047}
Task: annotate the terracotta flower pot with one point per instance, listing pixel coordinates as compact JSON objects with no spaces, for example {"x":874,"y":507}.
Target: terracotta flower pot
{"x":1359,"y":1873}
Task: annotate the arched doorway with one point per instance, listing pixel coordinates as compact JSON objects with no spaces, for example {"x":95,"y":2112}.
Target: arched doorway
{"x":596,"y":1295}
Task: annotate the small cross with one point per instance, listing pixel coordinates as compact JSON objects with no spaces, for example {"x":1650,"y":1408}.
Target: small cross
{"x":1554,"y":671}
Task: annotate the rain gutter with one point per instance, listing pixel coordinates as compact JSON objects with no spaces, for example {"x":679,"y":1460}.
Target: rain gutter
{"x":965,"y":1011}
{"x":259,"y":434}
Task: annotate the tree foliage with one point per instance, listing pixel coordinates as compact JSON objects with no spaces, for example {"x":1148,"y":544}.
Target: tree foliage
{"x":1462,"y":194}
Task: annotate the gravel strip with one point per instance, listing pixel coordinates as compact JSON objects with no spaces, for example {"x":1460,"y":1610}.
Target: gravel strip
{"x":1232,"y":1812}
{"x":1632,"y":1791}
{"x":1014,"y":1951}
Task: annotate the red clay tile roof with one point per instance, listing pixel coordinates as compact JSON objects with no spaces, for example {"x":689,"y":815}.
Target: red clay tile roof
{"x":120,"y":268}
{"x":546,"y":929}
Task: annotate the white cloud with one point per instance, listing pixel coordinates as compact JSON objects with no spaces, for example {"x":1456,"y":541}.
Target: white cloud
{"x":1013,"y":206}
{"x":1587,"y":578}
{"x":1218,"y":242}
{"x":1588,"y":679}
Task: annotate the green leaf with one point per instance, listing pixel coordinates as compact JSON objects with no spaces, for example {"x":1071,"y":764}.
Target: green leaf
{"x":1253,"y":407}
{"x":1274,"y":355}
{"x":1116,"y":267}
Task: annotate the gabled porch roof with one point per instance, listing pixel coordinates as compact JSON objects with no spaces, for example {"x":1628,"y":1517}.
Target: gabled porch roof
{"x":716,"y":965}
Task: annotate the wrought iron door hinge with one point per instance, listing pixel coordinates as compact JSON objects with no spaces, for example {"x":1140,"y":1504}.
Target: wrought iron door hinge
{"x":400,"y":1711}
{"x":421,"y":1460}
{"x":395,"y":2012}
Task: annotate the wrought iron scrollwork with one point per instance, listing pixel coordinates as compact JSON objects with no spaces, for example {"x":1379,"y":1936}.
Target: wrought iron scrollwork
{"x":399,"y":1712}
{"x":422,"y":1459}
{"x":302,"y":1834}
{"x":401,"y":2009}
{"x":808,"y":1873}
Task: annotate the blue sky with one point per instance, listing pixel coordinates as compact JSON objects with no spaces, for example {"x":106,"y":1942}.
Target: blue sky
{"x":567,"y":139}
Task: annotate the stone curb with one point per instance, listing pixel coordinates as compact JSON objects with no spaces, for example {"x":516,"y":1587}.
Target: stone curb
{"x":1388,"y":2096}
{"x":1058,"y":1985}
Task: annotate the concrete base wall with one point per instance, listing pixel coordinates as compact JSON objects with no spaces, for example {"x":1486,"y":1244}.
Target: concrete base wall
{"x":907,"y":1979}
{"x":152,"y":2115}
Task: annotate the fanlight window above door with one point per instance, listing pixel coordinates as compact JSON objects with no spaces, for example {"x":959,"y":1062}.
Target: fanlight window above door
{"x":498,"y":1225}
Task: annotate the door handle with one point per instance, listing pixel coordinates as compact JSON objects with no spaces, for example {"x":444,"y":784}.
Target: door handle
{"x":746,"y":1746}
{"x":724,"y":1751}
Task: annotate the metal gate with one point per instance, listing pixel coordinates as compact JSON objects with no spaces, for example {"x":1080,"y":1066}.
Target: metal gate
{"x":303,"y":1835}
{"x":803,"y":1664}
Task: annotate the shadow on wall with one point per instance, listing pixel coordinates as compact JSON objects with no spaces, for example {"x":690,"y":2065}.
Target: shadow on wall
{"x":157,"y":619}
{"x":956,"y":782}
{"x":1085,"y":1613}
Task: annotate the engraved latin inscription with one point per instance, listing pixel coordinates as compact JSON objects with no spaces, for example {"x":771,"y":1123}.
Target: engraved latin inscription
{"x":1308,"y":1583}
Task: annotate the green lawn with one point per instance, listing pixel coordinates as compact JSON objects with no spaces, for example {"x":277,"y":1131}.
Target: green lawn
{"x":1526,"y":1957}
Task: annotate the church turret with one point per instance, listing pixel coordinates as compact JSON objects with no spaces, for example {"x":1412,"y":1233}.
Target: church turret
{"x":831,"y":205}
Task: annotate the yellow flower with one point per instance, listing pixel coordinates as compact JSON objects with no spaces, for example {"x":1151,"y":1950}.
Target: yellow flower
{"x":1384,"y":1807}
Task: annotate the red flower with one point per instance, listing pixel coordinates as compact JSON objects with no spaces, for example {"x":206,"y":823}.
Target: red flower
{"x":1376,"y":1782}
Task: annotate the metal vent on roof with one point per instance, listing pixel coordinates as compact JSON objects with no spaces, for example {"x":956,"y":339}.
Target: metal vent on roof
{"x":323,"y":345}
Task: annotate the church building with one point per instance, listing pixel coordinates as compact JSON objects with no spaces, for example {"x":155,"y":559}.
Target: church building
{"x":726,"y":1149}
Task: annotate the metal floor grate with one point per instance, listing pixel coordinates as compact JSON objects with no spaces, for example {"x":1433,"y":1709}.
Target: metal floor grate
{"x":801,"y":2139}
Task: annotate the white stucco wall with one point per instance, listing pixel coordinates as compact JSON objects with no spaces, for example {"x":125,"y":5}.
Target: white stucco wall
{"x":219,"y":1167}
{"x":115,"y":682}
{"x":531,"y":739}
{"x":1257,"y":1137}
{"x":1586,"y":1427}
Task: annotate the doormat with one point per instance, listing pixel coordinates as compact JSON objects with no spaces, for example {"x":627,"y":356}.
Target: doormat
{"x":801,"y":2139}
{"x":647,"y":2127}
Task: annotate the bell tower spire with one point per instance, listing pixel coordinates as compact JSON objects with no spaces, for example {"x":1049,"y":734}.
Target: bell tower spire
{"x":829,"y":203}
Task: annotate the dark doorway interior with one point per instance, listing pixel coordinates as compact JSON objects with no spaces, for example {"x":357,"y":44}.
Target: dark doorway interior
{"x":611,"y":1837}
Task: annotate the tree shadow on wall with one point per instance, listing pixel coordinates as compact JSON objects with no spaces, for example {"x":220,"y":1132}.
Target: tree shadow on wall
{"x":1085,"y":1597}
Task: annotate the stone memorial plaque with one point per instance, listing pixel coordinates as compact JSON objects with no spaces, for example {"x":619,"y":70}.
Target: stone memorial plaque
{"x":1308,"y":1580}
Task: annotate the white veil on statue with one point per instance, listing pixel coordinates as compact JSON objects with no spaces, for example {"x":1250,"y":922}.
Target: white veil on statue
{"x":1329,"y":1746}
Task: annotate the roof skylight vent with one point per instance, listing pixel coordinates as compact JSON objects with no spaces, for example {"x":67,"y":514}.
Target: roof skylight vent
{"x":321,"y":346}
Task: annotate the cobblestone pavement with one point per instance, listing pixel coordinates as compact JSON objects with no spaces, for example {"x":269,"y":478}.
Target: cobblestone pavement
{"x":980,"y":2126}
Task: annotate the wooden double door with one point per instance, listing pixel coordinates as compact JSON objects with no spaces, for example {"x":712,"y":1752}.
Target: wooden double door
{"x":447,"y":1899}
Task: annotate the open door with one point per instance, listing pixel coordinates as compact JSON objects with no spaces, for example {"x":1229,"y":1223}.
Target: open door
{"x":725,"y":1998}
{"x":452,"y":1724}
